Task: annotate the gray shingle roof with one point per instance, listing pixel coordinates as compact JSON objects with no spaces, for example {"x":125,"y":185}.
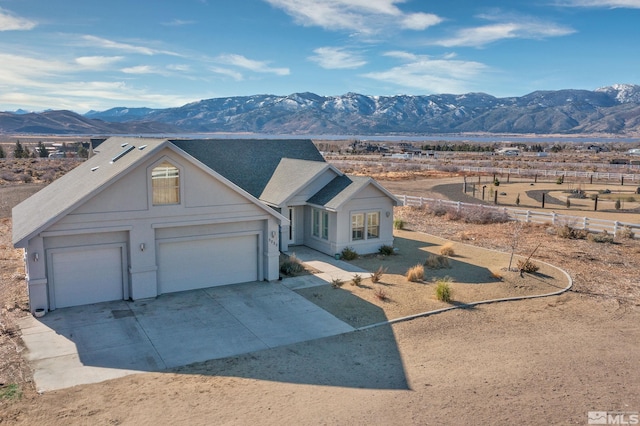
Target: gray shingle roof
{"x":342,"y":189}
{"x":248,"y":163}
{"x":289,"y":177}
{"x":78,"y":185}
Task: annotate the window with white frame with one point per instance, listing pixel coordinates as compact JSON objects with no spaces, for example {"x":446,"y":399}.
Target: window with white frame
{"x":365,"y":226}
{"x":320,"y":224}
{"x":373,"y":225}
{"x":165,"y":183}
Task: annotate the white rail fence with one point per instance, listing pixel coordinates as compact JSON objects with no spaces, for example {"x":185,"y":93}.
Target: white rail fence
{"x":528,"y":216}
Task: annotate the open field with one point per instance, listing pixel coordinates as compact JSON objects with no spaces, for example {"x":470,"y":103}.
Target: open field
{"x":541,"y":361}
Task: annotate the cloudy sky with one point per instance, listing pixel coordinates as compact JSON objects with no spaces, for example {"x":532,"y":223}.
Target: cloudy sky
{"x":85,"y":54}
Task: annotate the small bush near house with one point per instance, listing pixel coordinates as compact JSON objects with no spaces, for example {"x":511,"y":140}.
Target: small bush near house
{"x":527,"y":266}
{"x":436,"y":262}
{"x":603,"y":237}
{"x":377,"y":275}
{"x":380,"y":294}
{"x":443,"y":289}
{"x":349,"y":254}
{"x":291,"y":266}
{"x":447,"y":249}
{"x":336,"y":282}
{"x":386,"y":250}
{"x":415,"y":273}
{"x":398,"y":223}
{"x":356,"y":280}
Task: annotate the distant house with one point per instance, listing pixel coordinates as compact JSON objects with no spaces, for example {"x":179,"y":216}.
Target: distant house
{"x":143,"y":217}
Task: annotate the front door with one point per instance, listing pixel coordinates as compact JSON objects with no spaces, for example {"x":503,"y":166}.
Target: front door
{"x":292,"y":227}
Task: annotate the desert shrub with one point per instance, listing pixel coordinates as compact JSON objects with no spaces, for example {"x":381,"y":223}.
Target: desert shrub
{"x":603,"y":237}
{"x":443,"y":289}
{"x":10,"y":391}
{"x":569,"y":232}
{"x":453,"y":214}
{"x":336,"y":282}
{"x":527,"y":266}
{"x":386,"y":250}
{"x":447,"y":249}
{"x":349,"y":254}
{"x":380,"y":294}
{"x":617,"y":205}
{"x":436,"y":262}
{"x":483,"y":215}
{"x":377,"y":275}
{"x":398,"y":223}
{"x":625,"y":232}
{"x":356,"y":280}
{"x":436,"y":209}
{"x":415,"y":273}
{"x":291,"y":266}
{"x":496,"y":182}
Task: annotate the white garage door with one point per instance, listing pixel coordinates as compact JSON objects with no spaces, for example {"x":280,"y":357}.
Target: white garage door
{"x":87,"y":275}
{"x":200,"y":263}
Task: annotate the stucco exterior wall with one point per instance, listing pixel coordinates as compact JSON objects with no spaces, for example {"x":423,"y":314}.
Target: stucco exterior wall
{"x":124,"y":212}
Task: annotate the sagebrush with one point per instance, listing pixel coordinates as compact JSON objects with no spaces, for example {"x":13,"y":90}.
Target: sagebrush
{"x":435,"y":261}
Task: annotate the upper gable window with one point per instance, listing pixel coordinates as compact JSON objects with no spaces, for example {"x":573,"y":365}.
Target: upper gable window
{"x":165,"y":181}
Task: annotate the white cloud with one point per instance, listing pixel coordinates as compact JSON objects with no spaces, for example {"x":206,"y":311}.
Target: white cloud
{"x":179,"y":67}
{"x":420,"y":21}
{"x":229,"y":73}
{"x":140,"y":69}
{"x":439,"y":75}
{"x":361,"y":16}
{"x":250,"y":64}
{"x":336,"y":58}
{"x":124,"y":47}
{"x":97,"y":62}
{"x":10,"y":22}
{"x":523,"y":28}
{"x":628,"y":4}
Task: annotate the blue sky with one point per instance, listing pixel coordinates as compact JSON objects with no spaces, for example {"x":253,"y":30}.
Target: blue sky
{"x":87,"y":54}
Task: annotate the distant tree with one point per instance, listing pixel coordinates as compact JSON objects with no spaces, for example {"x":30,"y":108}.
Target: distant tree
{"x":82,"y":151}
{"x":42,"y":150}
{"x":19,"y":151}
{"x":2,"y":153}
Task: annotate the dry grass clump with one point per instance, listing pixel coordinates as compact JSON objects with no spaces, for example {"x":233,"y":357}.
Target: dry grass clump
{"x":527,"y":266}
{"x":436,"y":262}
{"x":447,"y":249}
{"x":626,"y":232}
{"x":569,"y":232}
{"x":377,"y":275}
{"x":415,"y":273}
{"x":496,"y":275}
{"x":603,"y":237}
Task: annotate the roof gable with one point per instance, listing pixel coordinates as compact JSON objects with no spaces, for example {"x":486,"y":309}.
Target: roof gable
{"x":249,"y":163}
{"x":290,"y":177}
{"x":344,"y":188}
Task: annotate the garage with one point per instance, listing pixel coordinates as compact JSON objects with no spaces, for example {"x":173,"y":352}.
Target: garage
{"x":206,"y":261}
{"x":85,"y":275}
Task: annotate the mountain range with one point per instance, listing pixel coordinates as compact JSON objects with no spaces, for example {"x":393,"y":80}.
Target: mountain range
{"x":612,"y":110}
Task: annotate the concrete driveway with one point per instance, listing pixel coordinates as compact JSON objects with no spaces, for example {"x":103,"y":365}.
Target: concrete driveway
{"x":92,"y":343}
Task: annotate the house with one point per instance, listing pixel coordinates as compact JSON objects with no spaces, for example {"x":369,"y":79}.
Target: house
{"x":145,"y":216}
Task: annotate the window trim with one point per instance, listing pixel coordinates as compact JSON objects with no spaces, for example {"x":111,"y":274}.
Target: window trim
{"x":320,"y":224}
{"x":178,"y":186}
{"x":363,"y":232}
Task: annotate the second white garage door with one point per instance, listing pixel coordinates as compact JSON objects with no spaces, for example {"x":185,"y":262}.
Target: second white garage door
{"x":206,"y":262}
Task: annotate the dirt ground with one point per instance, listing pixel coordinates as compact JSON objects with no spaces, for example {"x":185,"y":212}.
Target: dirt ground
{"x":540,"y":361}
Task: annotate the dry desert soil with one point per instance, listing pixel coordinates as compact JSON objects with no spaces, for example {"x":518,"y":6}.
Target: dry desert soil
{"x":540,"y":361}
